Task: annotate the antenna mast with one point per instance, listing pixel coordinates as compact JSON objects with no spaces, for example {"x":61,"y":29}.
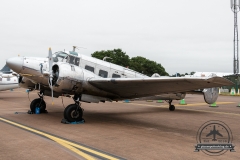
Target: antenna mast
{"x":235,"y":6}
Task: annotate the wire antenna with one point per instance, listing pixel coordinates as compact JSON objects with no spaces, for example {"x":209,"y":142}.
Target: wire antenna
{"x":76,"y":47}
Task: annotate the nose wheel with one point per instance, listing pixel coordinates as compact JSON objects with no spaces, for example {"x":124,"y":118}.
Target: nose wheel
{"x":171,"y":107}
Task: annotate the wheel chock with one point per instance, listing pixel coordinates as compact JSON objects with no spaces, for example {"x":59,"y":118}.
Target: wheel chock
{"x":30,"y":112}
{"x":37,"y":110}
{"x":159,"y":101}
{"x":213,"y":105}
{"x":182,"y":102}
{"x":64,"y":121}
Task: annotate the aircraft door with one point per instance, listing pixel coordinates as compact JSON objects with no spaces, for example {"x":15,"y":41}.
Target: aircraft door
{"x":103,"y":71}
{"x":116,"y":74}
{"x":129,"y":73}
{"x":116,"y":71}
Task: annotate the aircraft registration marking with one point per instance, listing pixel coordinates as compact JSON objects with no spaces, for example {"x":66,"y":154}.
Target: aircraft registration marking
{"x":70,"y":145}
{"x":164,"y":106}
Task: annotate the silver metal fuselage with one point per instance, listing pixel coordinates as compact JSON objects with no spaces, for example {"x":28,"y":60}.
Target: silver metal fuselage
{"x":82,"y":68}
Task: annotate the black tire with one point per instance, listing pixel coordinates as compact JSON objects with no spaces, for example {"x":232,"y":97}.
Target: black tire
{"x":171,"y":107}
{"x":73,"y":113}
{"x":36,"y":103}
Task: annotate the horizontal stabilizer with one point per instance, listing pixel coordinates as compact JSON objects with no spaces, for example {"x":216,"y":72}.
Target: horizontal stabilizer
{"x":6,"y":69}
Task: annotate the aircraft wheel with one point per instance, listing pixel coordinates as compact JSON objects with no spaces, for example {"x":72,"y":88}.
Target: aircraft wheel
{"x":171,"y":107}
{"x":35,"y":103}
{"x":73,"y":113}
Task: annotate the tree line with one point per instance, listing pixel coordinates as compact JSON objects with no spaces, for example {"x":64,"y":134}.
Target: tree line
{"x":139,"y":64}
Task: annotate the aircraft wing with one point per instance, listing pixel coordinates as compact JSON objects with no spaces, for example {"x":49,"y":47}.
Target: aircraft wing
{"x":141,"y":87}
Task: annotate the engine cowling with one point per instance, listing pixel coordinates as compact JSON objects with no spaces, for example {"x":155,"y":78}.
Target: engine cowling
{"x":211,"y":95}
{"x":67,"y":78}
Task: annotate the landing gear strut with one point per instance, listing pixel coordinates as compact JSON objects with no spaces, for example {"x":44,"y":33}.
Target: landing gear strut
{"x":38,"y":102}
{"x":74,"y":112}
{"x":171,"y":107}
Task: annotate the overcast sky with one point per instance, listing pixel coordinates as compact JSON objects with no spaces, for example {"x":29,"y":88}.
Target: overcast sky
{"x":182,"y":35}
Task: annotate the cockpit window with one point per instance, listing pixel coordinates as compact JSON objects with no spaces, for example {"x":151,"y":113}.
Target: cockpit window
{"x":60,"y":57}
{"x":73,"y":60}
{"x":64,"y":57}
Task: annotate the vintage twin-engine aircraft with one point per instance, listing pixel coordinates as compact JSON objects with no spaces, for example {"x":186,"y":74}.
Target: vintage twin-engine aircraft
{"x":89,"y":79}
{"x":7,"y":79}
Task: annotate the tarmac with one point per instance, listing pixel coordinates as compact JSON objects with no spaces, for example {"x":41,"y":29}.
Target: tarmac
{"x":137,"y":130}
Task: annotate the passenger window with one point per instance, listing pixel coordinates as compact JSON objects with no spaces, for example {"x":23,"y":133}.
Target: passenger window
{"x":115,"y":75}
{"x":89,"y":68}
{"x":8,"y":79}
{"x":103,"y":73}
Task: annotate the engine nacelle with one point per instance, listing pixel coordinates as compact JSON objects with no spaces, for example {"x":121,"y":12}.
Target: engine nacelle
{"x":210,"y":95}
{"x":70,"y":79}
{"x":67,"y":78}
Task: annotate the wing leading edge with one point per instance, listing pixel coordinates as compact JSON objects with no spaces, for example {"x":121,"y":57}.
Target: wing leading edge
{"x":141,"y":87}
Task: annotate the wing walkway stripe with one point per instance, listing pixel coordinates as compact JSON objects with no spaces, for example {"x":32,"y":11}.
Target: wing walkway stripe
{"x":70,"y":145}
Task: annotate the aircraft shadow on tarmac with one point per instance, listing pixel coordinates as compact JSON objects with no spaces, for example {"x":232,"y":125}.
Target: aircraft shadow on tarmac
{"x":124,"y":119}
{"x":136,"y":118}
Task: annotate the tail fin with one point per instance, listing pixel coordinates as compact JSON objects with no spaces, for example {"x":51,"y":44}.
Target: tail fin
{"x":6,"y":69}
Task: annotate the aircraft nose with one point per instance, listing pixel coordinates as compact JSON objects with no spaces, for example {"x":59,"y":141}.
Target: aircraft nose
{"x":15,"y":63}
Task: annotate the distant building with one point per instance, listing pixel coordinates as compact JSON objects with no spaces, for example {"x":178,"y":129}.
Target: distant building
{"x":208,"y":74}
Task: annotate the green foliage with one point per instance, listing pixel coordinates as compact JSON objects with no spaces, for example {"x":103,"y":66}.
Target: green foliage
{"x":182,"y":75}
{"x":192,"y":73}
{"x":139,"y":64}
{"x":117,"y":56}
{"x":146,"y":66}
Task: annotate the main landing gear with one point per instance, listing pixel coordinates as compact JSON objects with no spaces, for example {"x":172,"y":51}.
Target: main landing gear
{"x":171,"y":107}
{"x":74,"y":112}
{"x":38,"y":102}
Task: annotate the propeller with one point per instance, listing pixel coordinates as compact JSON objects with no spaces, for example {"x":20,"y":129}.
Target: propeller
{"x":50,"y":71}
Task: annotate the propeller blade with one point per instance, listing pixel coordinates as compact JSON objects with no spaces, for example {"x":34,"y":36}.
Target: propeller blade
{"x":51,"y":88}
{"x":50,"y":71}
{"x":50,"y":60}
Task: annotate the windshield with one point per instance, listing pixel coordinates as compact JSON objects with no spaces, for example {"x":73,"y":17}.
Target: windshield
{"x":60,"y":57}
